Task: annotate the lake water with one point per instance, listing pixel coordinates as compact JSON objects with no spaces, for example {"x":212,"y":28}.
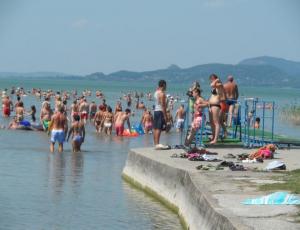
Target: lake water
{"x":40,"y":190}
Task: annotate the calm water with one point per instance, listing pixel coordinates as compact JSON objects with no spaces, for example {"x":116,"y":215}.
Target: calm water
{"x":40,"y":190}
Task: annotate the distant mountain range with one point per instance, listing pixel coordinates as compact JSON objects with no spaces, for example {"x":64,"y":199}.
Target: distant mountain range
{"x":259,"y":71}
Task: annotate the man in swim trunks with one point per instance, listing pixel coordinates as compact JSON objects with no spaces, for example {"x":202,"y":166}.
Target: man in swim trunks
{"x":84,"y":110}
{"x":74,"y":109}
{"x":160,"y":114}
{"x":120,"y":119}
{"x":7,"y":106}
{"x":78,"y":134}
{"x":93,"y":110}
{"x":180,"y":117}
{"x":232,"y":95}
{"x":59,"y":129}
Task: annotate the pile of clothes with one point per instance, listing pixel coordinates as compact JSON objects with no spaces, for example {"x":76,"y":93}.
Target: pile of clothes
{"x":265,"y":152}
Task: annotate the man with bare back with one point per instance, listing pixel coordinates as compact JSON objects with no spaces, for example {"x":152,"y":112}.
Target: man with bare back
{"x":59,"y":128}
{"x":232,"y":94}
{"x":120,"y":119}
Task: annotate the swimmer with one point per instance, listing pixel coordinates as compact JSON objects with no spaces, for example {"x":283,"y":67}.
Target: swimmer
{"x":14,"y":124}
{"x":74,"y":109}
{"x":118,"y":107}
{"x":169,"y":121}
{"x":20,"y":111}
{"x":45,"y":115}
{"x":93,"y":110}
{"x":7,"y":106}
{"x":99,"y":118}
{"x":84,"y":109}
{"x":147,"y":121}
{"x":58,"y":127}
{"x":77,"y":131}
{"x":140,"y":105}
{"x":108,"y":120}
{"x":120,"y":120}
{"x":32,"y":113}
{"x":180,"y":117}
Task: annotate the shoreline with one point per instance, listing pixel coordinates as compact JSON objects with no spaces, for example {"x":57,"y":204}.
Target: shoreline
{"x":207,"y":199}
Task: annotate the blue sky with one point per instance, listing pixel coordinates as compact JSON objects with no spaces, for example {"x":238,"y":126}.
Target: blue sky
{"x":85,"y":36}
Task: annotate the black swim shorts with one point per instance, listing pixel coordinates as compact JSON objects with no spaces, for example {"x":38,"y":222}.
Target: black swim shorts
{"x":159,"y":120}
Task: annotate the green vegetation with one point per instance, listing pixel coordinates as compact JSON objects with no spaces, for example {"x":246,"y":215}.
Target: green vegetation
{"x":291,"y":182}
{"x":291,"y":114}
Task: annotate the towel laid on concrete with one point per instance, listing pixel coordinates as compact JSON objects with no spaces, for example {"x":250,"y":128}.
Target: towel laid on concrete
{"x":277,"y":198}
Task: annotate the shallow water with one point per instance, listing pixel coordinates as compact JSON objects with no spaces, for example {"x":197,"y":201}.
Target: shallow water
{"x":40,"y":190}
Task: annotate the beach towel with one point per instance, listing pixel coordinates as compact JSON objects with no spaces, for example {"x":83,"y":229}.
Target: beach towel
{"x":277,"y":198}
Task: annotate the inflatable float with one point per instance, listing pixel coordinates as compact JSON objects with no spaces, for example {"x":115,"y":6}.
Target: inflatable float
{"x":133,"y":133}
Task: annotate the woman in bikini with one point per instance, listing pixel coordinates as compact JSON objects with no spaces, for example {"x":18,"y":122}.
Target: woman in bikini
{"x":147,"y":121}
{"x":217,"y":108}
{"x":99,"y":118}
{"x":108,"y":119}
{"x":78,"y":134}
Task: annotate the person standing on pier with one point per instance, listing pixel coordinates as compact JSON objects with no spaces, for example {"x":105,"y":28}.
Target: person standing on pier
{"x":160,"y":114}
{"x":232,"y":95}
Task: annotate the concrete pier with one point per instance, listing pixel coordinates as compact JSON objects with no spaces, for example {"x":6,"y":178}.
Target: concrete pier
{"x":211,"y":199}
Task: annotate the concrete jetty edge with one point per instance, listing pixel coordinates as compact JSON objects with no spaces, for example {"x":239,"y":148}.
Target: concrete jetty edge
{"x":175,"y":188}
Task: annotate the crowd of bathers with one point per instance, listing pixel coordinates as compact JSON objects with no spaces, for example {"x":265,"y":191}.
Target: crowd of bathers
{"x":63,"y":121}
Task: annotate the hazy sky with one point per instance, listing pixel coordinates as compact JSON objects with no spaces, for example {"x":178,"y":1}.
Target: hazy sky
{"x":85,"y":36}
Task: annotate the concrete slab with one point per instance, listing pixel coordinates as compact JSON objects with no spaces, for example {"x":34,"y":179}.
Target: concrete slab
{"x":224,"y":190}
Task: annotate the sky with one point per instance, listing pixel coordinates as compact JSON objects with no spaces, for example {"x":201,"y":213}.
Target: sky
{"x":87,"y":36}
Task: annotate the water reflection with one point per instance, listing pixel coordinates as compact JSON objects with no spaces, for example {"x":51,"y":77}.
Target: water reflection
{"x":157,"y":215}
{"x":57,"y":166}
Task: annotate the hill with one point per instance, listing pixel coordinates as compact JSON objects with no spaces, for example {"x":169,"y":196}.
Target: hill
{"x":289,"y":67}
{"x":252,"y":75}
{"x":258,"y":71}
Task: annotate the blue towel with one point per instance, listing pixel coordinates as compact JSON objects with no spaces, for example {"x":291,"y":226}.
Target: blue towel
{"x":275,"y":198}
